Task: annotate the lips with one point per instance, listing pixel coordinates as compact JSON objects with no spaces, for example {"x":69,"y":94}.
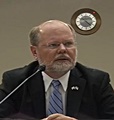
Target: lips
{"x":62,"y":58}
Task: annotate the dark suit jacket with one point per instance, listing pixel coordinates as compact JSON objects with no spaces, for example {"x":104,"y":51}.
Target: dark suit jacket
{"x":93,"y":100}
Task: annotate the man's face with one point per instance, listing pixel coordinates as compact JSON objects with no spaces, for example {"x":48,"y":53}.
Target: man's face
{"x":57,"y":48}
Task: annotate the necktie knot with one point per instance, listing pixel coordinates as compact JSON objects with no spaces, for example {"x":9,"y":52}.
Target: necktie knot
{"x":56,"y":83}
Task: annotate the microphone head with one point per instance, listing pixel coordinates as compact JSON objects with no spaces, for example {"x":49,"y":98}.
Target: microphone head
{"x":42,"y":68}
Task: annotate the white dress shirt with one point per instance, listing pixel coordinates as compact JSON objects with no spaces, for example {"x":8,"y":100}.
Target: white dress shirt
{"x":48,"y":88}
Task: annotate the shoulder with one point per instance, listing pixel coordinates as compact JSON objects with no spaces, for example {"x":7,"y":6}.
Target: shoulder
{"x":92,"y":74}
{"x":85,"y":69}
{"x":15,"y":76}
{"x":25,"y":70}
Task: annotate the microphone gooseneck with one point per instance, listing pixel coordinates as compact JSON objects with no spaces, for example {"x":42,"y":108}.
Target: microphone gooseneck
{"x":41,"y":68}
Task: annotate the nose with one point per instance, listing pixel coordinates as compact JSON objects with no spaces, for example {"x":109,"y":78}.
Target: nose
{"x":62,"y":48}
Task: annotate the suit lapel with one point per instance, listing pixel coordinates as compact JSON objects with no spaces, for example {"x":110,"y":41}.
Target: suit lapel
{"x":37,"y":92}
{"x":75,"y":91}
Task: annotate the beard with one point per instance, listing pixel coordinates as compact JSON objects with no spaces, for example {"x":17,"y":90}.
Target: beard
{"x":59,"y":66}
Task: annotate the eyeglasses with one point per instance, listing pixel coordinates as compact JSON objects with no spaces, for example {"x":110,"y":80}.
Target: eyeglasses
{"x":56,"y":45}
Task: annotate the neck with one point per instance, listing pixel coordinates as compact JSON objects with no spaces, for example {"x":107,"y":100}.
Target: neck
{"x":56,"y":75}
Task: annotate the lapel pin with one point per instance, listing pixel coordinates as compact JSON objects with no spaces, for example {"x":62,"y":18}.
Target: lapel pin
{"x":74,"y":88}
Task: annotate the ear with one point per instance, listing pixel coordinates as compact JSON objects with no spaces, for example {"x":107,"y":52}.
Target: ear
{"x":34,"y":51}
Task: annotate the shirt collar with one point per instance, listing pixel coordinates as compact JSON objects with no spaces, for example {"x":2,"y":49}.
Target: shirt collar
{"x":64,"y":80}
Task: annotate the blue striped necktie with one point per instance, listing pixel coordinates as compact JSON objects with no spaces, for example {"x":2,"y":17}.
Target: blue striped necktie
{"x":55,"y":99}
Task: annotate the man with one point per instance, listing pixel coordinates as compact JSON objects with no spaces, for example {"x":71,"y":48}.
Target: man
{"x":86,"y":93}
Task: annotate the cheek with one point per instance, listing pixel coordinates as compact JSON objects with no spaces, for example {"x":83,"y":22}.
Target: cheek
{"x":47,"y":56}
{"x":73,"y":54}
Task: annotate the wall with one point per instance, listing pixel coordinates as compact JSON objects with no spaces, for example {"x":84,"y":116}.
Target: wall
{"x":17,"y":17}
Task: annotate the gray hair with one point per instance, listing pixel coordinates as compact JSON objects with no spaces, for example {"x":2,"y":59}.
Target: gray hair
{"x":34,"y":35}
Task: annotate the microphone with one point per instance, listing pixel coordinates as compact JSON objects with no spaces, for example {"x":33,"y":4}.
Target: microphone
{"x":41,"y":68}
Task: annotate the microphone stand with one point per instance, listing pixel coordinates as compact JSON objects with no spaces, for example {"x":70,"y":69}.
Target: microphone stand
{"x":41,"y":68}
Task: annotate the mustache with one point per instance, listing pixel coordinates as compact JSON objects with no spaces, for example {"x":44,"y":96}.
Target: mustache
{"x":62,"y":57}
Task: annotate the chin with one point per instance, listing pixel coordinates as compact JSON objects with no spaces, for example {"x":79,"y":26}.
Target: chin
{"x":62,"y":67}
